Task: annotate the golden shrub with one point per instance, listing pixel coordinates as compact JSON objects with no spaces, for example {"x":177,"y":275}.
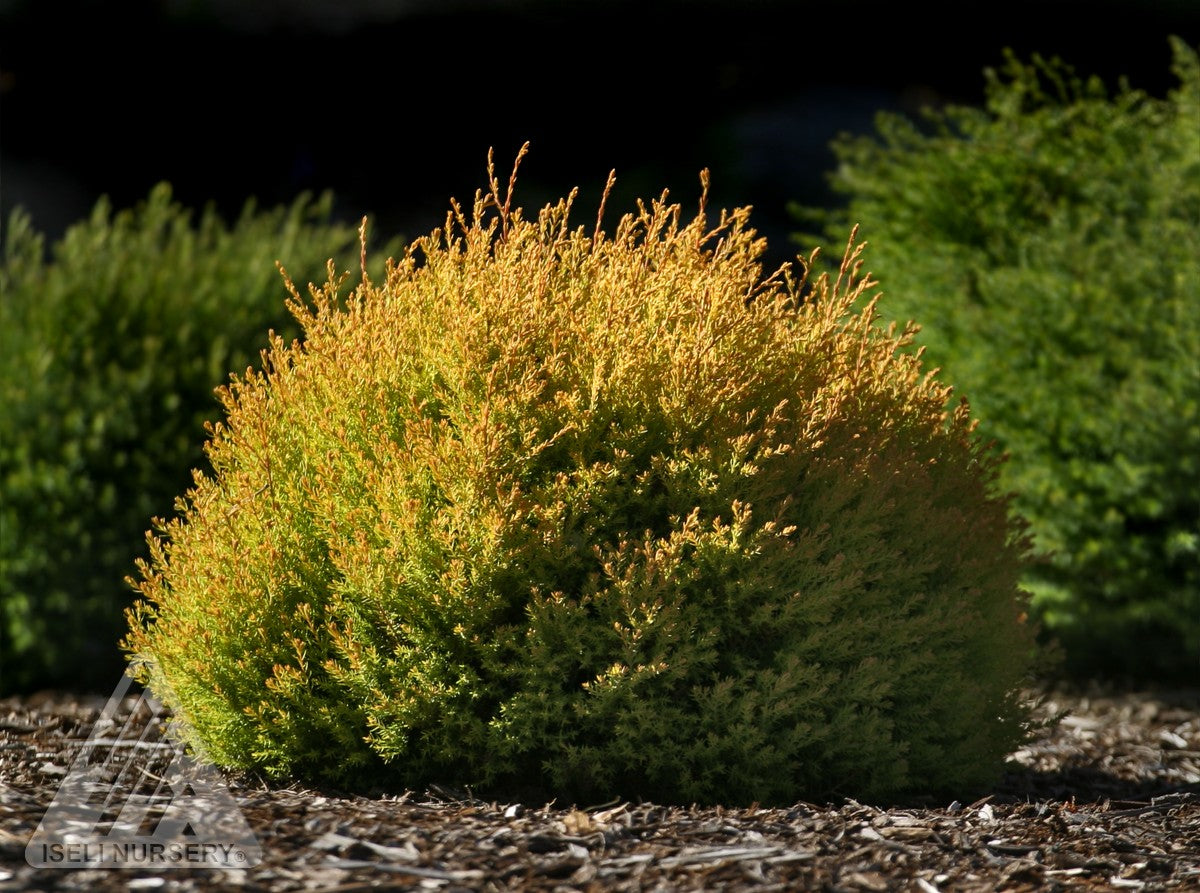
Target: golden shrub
{"x":561,"y":512}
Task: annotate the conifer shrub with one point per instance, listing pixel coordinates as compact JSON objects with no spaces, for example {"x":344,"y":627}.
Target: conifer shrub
{"x":1050,"y":245}
{"x":556,"y":512}
{"x":111,"y":346}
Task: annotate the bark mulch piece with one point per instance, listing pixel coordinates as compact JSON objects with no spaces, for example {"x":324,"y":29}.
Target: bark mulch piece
{"x":1109,"y":799}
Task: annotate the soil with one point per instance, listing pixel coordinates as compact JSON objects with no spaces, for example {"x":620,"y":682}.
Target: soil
{"x":1106,"y":799}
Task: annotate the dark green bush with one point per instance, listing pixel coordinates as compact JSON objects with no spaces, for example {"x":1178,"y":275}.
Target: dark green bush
{"x":109,"y":355}
{"x":1050,"y":246}
{"x":556,"y":512}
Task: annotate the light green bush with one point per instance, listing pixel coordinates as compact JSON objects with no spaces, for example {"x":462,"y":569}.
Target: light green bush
{"x":110,"y":350}
{"x":551,"y":511}
{"x":1050,"y":246}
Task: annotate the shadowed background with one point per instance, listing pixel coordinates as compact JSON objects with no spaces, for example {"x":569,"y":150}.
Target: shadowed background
{"x":393,"y":105}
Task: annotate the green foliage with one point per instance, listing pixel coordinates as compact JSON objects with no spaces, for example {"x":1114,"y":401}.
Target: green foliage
{"x":1050,"y":246}
{"x":110,"y":352}
{"x":551,"y":511}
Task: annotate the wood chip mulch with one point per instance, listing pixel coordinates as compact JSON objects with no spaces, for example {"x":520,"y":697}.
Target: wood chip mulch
{"x":1109,"y":799}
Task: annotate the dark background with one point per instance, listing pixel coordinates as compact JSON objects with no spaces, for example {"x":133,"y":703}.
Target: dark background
{"x":393,"y":105}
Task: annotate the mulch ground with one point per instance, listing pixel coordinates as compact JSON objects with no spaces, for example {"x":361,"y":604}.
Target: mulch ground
{"x":1109,"y":799}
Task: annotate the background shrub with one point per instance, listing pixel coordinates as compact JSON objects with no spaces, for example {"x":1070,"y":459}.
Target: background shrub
{"x":110,"y":351}
{"x":559,"y":513}
{"x":1050,"y":246}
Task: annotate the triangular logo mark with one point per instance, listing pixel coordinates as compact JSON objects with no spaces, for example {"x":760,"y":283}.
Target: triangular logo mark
{"x":134,"y":798}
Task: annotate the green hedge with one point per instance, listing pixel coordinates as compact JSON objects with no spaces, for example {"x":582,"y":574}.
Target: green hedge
{"x":1049,"y":244}
{"x":110,"y":350}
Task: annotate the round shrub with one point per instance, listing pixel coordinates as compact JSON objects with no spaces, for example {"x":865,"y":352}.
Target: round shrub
{"x":1050,"y":245}
{"x":111,"y":346}
{"x":550,"y":511}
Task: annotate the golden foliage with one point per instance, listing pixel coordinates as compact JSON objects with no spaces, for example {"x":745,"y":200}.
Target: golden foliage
{"x":558,"y":508}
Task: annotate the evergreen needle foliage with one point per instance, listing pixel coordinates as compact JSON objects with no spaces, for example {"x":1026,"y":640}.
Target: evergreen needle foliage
{"x":110,"y":350}
{"x":564,"y":513}
{"x":1050,"y":245}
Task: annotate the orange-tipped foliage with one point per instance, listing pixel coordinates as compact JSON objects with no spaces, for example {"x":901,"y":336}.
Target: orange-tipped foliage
{"x":577,"y":514}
